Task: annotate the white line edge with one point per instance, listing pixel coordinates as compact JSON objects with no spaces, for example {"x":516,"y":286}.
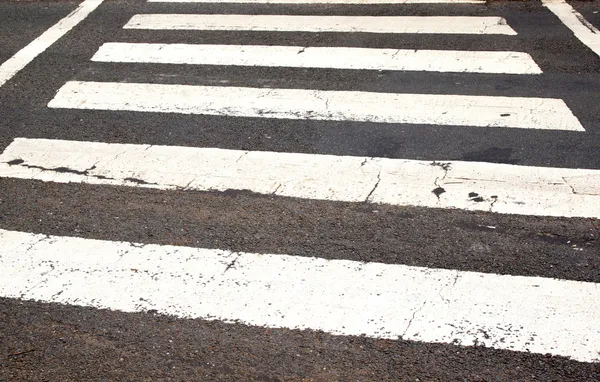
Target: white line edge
{"x":23,"y":57}
{"x":583,"y":29}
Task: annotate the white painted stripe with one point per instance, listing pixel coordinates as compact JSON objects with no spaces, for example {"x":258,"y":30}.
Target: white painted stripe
{"x":499,"y":188}
{"x":320,"y":57}
{"x":283,"y":23}
{"x":583,"y":30}
{"x":23,"y":57}
{"x":435,"y":109}
{"x":528,"y":314}
{"x":325,"y":1}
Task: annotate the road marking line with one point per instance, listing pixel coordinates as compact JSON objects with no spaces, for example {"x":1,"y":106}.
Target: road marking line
{"x":23,"y":57}
{"x":341,"y":297}
{"x":325,"y":1}
{"x":434,"y":109}
{"x":583,"y":30}
{"x":475,"y":186}
{"x":320,"y":57}
{"x":282,"y":23}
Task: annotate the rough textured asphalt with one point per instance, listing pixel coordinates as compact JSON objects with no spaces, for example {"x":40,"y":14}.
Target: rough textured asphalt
{"x":563,"y":248}
{"x":590,"y":10}
{"x":59,"y":343}
{"x":572,"y":73}
{"x":22,"y":22}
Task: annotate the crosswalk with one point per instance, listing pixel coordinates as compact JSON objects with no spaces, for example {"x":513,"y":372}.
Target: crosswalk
{"x":320,"y":57}
{"x":278,"y":290}
{"x":434,"y":109}
{"x":283,"y":23}
{"x":471,"y":186}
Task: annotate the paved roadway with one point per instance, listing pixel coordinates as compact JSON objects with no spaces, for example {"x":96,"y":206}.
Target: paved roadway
{"x":589,"y":11}
{"x":21,"y":22}
{"x":468,"y":294}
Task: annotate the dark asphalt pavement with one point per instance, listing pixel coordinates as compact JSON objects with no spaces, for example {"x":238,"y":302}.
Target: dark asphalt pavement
{"x":22,"y":22}
{"x":590,"y":10}
{"x":572,"y":72}
{"x":51,"y":342}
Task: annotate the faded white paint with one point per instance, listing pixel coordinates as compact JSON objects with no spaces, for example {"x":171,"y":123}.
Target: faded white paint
{"x":23,"y":57}
{"x":528,"y":314}
{"x":324,"y":1}
{"x":320,"y":57}
{"x":473,"y":186}
{"x":304,"y":23}
{"x":583,"y":29}
{"x":434,"y":109}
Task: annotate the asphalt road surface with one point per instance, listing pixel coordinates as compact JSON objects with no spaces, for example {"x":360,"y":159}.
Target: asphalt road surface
{"x":305,"y":191}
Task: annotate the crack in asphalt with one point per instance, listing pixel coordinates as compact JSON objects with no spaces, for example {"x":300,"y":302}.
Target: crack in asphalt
{"x":449,"y":285}
{"x":241,"y":156}
{"x":396,"y":53}
{"x":268,"y":93}
{"x":276,"y":189}
{"x":324,"y":99}
{"x":412,"y":318}
{"x":186,"y":187}
{"x":30,"y":247}
{"x":374,"y":187}
{"x":568,"y":184}
{"x":45,"y":274}
{"x":232,"y":263}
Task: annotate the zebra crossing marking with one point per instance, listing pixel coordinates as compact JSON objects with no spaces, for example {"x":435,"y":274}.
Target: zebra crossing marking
{"x":289,"y":23}
{"x":320,"y":57}
{"x":342,"y":297}
{"x":475,"y":186}
{"x":433,"y":109}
